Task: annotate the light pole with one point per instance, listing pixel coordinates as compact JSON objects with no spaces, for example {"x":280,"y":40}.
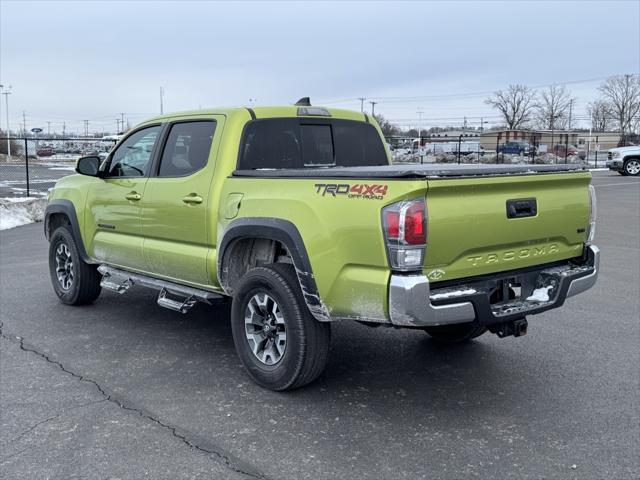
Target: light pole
{"x":373,"y":108}
{"x":419,"y":112}
{"x":6,"y":104}
{"x":161,"y":103}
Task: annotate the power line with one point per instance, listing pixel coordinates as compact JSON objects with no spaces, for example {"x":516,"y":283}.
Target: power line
{"x":460,"y":95}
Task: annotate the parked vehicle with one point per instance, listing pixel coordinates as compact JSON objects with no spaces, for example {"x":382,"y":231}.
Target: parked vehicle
{"x":624,"y":160}
{"x":45,"y":152}
{"x":515,"y":147}
{"x":562,"y":151}
{"x":297,"y":214}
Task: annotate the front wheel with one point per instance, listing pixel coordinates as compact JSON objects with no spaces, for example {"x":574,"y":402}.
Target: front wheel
{"x":74,"y":281}
{"x":457,"y":333}
{"x":277,"y":339}
{"x":632,"y":167}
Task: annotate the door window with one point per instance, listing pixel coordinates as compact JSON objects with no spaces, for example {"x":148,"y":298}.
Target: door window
{"x":133,"y":157}
{"x":187,"y":148}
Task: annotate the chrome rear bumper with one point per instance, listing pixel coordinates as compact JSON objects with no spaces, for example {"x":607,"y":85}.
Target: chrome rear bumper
{"x":411,"y":299}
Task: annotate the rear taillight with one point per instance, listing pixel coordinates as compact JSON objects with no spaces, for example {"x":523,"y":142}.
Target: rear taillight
{"x":405,"y":232}
{"x":592,"y":214}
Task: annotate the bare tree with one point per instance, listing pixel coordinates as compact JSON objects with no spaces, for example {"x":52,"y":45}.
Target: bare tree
{"x":552,"y":108}
{"x":622,"y":94}
{"x":388,"y":129}
{"x":3,"y":144}
{"x":600,"y":114}
{"x":515,"y":105}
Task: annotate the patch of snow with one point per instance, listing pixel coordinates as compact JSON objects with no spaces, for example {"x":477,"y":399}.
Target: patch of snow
{"x":454,"y":293}
{"x":66,"y":169}
{"x":540,"y":294}
{"x":21,"y":211}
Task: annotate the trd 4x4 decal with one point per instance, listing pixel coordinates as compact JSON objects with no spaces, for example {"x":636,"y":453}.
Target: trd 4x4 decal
{"x":359,"y":190}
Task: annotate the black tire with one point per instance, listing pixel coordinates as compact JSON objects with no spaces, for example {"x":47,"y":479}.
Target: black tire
{"x":622,"y":172}
{"x":632,"y":167}
{"x":83,"y":285}
{"x":307,"y":340}
{"x":458,"y":333}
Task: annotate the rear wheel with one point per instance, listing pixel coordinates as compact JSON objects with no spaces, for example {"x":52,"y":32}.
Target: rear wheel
{"x":458,"y":333}
{"x":74,"y":281}
{"x":277,"y":339}
{"x":632,"y":167}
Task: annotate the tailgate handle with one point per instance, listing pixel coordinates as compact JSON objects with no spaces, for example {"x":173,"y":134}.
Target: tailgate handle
{"x":522,"y":207}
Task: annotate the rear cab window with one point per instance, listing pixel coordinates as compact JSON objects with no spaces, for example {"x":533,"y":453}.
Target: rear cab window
{"x":293,"y":143}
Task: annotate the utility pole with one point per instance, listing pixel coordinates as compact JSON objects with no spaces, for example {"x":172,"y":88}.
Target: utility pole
{"x":362,"y":99}
{"x":570,"y":112}
{"x":24,"y":123}
{"x":6,"y":103}
{"x":373,"y":108}
{"x":1,"y":88}
{"x":161,"y":96}
{"x":122,"y":120}
{"x":86,"y":128}
{"x":419,"y":112}
{"x":48,"y":129}
{"x":64,"y":129}
{"x":481,"y":124}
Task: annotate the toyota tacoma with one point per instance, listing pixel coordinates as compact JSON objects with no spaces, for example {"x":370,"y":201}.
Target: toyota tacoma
{"x":298,"y":215}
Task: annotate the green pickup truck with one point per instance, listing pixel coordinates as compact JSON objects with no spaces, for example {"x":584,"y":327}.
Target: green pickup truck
{"x":299,"y":216}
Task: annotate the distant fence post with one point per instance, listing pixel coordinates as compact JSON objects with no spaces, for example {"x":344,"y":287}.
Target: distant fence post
{"x":26,"y":163}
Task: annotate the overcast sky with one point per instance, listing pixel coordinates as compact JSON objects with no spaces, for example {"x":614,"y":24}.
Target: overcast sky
{"x":70,"y":61}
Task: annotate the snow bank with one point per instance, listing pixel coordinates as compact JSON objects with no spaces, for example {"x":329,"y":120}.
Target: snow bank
{"x":20,"y":211}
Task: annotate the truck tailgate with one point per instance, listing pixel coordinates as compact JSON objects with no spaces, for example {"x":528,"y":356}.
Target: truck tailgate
{"x":470,"y":231}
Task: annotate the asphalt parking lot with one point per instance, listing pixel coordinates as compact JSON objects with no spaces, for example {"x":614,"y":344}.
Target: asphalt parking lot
{"x":125,"y":389}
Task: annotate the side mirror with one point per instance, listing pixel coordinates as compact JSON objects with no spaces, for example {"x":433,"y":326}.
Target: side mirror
{"x":89,"y":165}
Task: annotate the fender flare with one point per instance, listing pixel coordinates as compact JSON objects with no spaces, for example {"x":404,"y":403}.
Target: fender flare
{"x":285,"y":232}
{"x":67,"y":208}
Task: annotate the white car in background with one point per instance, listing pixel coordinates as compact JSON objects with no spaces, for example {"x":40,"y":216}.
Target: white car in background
{"x":624,"y":160}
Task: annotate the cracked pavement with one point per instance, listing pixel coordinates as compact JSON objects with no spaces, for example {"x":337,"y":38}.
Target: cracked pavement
{"x":124,"y":389}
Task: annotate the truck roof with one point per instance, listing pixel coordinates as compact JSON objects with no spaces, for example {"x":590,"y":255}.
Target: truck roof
{"x":264,"y":112}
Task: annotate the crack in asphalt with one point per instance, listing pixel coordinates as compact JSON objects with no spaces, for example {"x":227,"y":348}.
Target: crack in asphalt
{"x":54,"y":417}
{"x":224,"y":458}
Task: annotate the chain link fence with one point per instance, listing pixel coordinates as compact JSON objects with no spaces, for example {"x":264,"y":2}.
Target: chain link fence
{"x":36,"y":164}
{"x":500,"y":147}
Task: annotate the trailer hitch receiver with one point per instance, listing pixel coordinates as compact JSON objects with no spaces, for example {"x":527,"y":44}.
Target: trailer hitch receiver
{"x":517,"y":328}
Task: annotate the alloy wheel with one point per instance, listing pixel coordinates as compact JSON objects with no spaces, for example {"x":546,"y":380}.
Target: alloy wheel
{"x":633,"y":167}
{"x":265,"y":329}
{"x":64,"y":267}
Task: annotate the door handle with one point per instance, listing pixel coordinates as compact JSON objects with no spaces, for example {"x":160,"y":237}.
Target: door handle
{"x":134,"y":196}
{"x":192,"y":199}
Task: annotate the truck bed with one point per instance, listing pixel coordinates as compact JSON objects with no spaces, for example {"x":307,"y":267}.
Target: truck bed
{"x":410,"y":172}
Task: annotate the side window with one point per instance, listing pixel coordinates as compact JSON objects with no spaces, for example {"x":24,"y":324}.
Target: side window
{"x":133,"y":156}
{"x":187,"y":148}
